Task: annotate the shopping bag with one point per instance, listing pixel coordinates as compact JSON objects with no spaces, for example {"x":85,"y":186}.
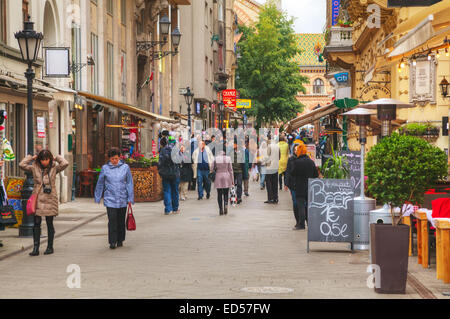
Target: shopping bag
{"x":131,"y":222}
{"x":233,"y":197}
{"x":7,"y":216}
{"x":31,"y":204}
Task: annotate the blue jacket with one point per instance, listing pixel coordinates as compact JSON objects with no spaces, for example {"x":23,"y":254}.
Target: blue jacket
{"x":115,"y":185}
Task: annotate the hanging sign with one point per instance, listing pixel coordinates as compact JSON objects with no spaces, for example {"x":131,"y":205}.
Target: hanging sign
{"x":335,"y":5}
{"x":411,"y":3}
{"x":330,"y":210}
{"x":374,"y":92}
{"x":229,"y":98}
{"x":41,"y":127}
{"x":243,"y":104}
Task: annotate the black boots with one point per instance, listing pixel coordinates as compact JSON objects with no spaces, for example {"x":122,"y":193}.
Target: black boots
{"x":51,"y":236}
{"x":36,"y":240}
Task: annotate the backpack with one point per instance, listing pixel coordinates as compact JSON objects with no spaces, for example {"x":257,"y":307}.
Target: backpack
{"x":166,"y":167}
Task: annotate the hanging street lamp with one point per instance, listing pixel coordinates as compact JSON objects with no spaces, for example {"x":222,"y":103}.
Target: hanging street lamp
{"x":29,"y":43}
{"x":188,"y":97}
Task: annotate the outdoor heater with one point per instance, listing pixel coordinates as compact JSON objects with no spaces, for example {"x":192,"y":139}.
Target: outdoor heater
{"x":386,"y":112}
{"x":361,"y":205}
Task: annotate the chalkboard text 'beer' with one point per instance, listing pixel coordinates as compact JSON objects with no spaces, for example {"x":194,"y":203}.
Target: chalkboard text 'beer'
{"x":330,"y":210}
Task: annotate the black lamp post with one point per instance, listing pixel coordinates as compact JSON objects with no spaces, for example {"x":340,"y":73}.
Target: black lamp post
{"x":221,"y":108}
{"x":188,"y":97}
{"x":29,"y":43}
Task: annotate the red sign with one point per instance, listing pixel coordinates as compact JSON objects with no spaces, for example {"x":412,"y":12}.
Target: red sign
{"x":153,"y":148}
{"x":229,"y":98}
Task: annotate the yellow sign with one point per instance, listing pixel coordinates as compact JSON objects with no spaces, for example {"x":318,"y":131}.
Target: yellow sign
{"x":375,"y":92}
{"x":243,"y":104}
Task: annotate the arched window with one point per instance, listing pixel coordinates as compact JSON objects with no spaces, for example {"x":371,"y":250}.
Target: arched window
{"x":318,"y":86}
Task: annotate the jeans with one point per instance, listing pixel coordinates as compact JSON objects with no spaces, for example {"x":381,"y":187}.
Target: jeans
{"x":262,"y":180}
{"x":238,"y":183}
{"x":116,"y":224}
{"x":171,"y":194}
{"x":202,"y":177}
{"x":295,"y":207}
{"x":222,"y":197}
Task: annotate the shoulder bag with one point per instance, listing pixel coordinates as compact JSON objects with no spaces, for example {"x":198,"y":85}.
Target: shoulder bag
{"x":131,"y":222}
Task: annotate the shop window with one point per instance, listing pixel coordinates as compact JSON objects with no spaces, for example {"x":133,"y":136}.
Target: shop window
{"x":40,"y":128}
{"x":318,"y":86}
{"x":15,"y":134}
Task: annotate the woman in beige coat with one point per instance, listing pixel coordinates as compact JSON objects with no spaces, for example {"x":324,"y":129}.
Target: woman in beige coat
{"x":44,"y":169}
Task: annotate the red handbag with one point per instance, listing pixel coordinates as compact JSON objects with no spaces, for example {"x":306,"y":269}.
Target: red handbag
{"x":131,"y":222}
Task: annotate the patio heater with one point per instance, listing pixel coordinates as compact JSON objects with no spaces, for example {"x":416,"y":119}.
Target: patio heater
{"x":361,"y":205}
{"x":386,"y":112}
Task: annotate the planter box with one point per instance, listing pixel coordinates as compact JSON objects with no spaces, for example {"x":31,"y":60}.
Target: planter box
{"x":147,"y":184}
{"x":390,"y":247}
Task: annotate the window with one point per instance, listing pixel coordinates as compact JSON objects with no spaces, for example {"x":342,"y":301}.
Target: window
{"x":2,"y":20}
{"x":206,"y":15}
{"x":109,"y":7}
{"x":25,"y":11}
{"x":76,"y":55}
{"x":220,"y":9}
{"x":109,"y":72}
{"x":123,"y":68}
{"x":318,"y":86}
{"x":123,"y":12}
{"x":94,"y":68}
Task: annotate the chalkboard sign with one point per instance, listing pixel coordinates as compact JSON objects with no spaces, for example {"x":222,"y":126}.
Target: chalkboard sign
{"x":330,"y":210}
{"x":354,"y":167}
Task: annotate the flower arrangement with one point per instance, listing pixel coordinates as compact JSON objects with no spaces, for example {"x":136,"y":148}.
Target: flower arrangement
{"x":138,"y":160}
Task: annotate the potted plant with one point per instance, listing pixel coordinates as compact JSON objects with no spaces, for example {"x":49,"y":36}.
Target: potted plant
{"x":400,"y":169}
{"x":335,"y":167}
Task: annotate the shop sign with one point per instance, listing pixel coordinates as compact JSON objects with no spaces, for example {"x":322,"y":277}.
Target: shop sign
{"x":374,"y":92}
{"x":341,"y":77}
{"x":422,"y":81}
{"x":335,"y":5}
{"x":41,"y":127}
{"x":243,"y":104}
{"x":229,"y":98}
{"x":412,"y":3}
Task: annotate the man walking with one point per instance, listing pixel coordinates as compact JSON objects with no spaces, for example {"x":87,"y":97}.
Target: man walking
{"x":272,"y":161}
{"x":170,"y":174}
{"x":237,"y":171}
{"x":203,"y":160}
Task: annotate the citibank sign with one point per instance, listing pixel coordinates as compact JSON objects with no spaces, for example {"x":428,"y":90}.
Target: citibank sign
{"x":341,"y":77}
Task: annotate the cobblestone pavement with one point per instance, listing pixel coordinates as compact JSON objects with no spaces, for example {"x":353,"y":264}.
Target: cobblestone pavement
{"x":197,"y":254}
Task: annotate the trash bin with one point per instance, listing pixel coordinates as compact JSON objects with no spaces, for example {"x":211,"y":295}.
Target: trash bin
{"x":362,"y":207}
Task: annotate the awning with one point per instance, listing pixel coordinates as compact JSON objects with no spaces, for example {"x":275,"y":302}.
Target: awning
{"x":125,"y":107}
{"x":312,"y":116}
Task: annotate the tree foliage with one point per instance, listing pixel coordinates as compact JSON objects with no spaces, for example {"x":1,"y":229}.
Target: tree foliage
{"x":266,"y":71}
{"x":401,"y":168}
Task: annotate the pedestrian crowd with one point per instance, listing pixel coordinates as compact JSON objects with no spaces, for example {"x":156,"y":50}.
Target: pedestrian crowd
{"x":227,"y":164}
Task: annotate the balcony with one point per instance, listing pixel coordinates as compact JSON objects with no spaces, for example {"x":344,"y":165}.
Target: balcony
{"x":339,"y":50}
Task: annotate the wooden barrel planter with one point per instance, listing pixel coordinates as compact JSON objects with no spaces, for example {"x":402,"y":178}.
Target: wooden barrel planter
{"x":147,"y":184}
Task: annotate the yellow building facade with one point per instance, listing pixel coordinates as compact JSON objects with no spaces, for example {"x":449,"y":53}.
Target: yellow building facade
{"x":397,"y":53}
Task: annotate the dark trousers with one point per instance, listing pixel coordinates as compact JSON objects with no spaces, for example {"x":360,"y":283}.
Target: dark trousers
{"x":238,"y":183}
{"x":280,"y":179}
{"x":272,"y":186}
{"x":301,"y":210}
{"x":222,"y":197}
{"x":48,"y":221}
{"x":116,"y":224}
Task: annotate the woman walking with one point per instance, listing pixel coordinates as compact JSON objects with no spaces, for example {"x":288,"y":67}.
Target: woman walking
{"x":284,"y":156}
{"x":223,"y":181}
{"x":44,"y":170}
{"x":185,"y":173}
{"x":115,"y":185}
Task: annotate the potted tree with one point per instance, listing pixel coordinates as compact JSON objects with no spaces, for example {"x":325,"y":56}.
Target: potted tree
{"x":400,"y":169}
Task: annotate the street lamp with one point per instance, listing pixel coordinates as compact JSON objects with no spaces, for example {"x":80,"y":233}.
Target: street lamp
{"x":361,"y":205}
{"x":444,"y":87}
{"x":188,"y":97}
{"x":164,"y":25}
{"x":29,"y":43}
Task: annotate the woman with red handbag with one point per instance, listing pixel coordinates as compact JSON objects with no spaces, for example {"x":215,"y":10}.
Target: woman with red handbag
{"x":115,"y":185}
{"x":44,"y":168}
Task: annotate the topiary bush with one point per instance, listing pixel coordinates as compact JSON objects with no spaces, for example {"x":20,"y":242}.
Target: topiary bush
{"x":401,"y":168}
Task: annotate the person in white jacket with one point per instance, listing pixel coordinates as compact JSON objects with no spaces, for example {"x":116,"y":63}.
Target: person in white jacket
{"x":203,"y":160}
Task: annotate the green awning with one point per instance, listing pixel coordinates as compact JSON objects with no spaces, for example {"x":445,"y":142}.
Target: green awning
{"x":346,"y":103}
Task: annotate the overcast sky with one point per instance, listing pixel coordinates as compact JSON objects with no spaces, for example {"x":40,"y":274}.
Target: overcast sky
{"x":310,"y":14}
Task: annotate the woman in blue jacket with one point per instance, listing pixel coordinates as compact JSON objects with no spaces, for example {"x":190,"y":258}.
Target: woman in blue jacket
{"x":115,"y":185}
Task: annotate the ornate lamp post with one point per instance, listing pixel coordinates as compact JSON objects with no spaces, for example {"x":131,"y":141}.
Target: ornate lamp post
{"x":188,"y":97}
{"x":29,"y":43}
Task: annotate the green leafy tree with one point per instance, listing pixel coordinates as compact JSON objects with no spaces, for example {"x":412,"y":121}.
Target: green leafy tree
{"x":267,"y":73}
{"x":401,"y":168}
